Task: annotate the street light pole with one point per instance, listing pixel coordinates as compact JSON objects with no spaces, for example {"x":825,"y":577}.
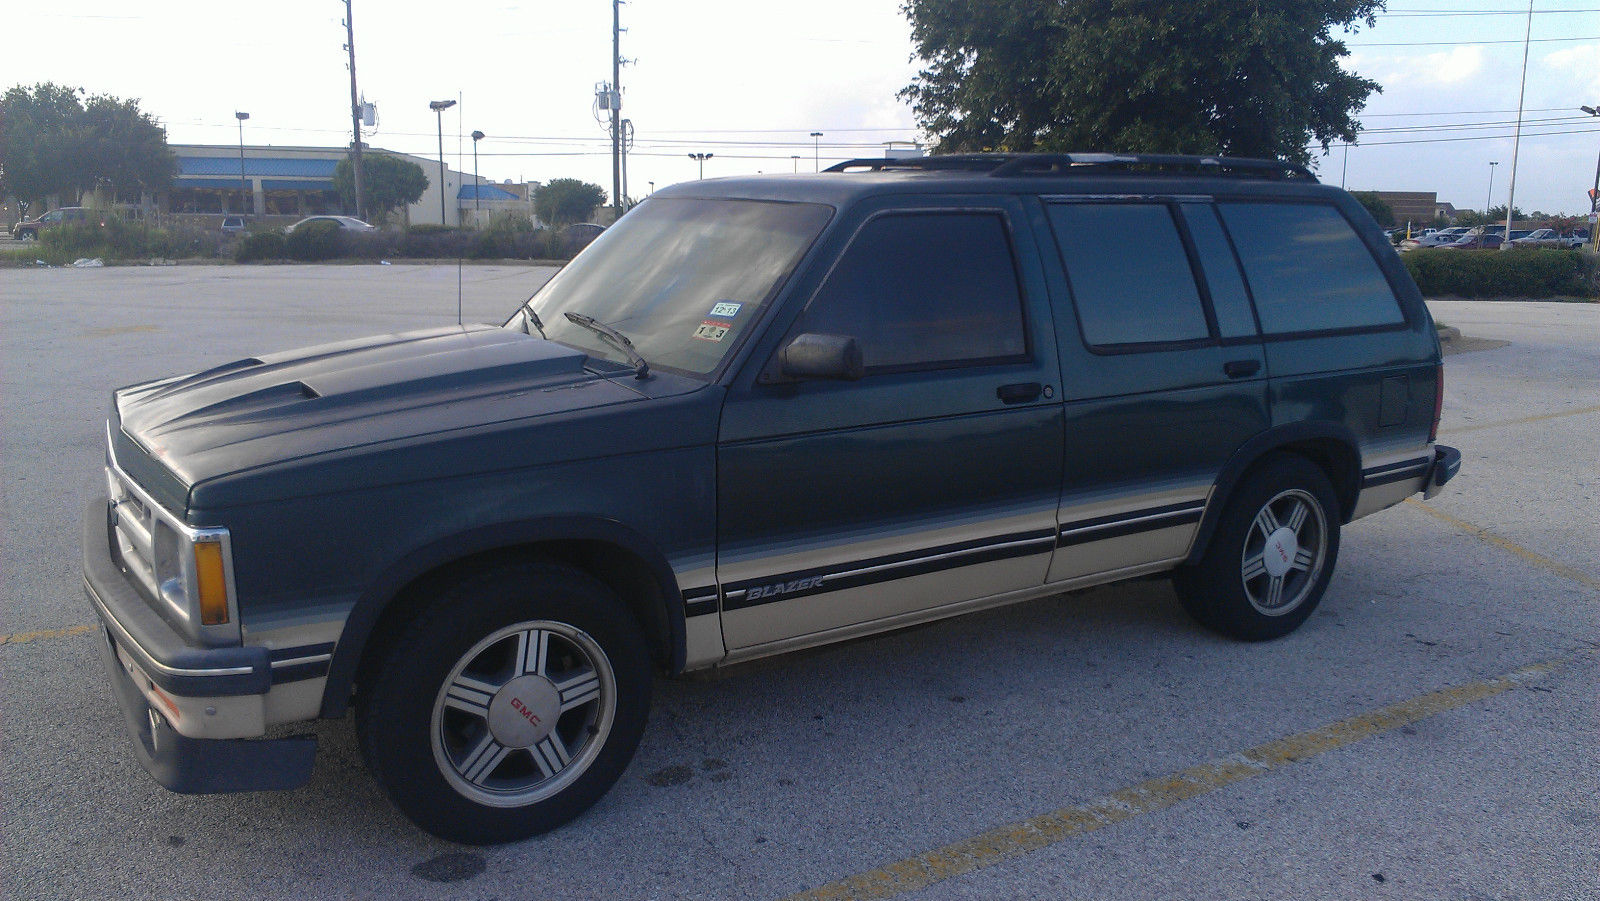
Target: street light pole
{"x":439,"y":106}
{"x":1594,"y":195}
{"x":477,"y":183}
{"x":244,"y":187}
{"x":1488,"y":202}
{"x":701,"y":159}
{"x":816,"y":151}
{"x":796,"y":158}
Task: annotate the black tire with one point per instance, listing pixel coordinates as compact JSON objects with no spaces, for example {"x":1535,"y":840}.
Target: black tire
{"x":1232,"y":590}
{"x":509,"y":706}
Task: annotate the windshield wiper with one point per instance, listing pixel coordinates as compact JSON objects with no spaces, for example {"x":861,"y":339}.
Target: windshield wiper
{"x":529,"y":317}
{"x":641,"y":369}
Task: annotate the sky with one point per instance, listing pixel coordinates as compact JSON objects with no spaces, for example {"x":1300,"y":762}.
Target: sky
{"x":749,"y":81}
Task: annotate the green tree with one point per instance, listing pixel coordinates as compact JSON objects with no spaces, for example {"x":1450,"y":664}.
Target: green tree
{"x":1377,"y":206}
{"x":1205,"y":76}
{"x":565,"y":200}
{"x":387,"y":183}
{"x":51,"y":142}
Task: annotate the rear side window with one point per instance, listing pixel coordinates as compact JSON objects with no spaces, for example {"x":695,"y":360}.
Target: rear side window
{"x":1307,"y":269}
{"x":1129,"y":273}
{"x":925,"y":290}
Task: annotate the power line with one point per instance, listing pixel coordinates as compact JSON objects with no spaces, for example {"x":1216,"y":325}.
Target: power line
{"x":1471,"y":43}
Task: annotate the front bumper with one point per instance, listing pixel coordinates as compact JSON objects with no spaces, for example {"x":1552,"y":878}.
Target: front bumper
{"x":186,"y":707}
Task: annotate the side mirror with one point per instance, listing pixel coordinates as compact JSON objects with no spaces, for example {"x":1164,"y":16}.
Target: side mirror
{"x":812,"y":356}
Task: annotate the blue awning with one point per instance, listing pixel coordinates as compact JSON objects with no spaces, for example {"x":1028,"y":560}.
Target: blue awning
{"x":256,"y":166}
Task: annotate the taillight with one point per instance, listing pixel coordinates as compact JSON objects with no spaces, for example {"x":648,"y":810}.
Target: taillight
{"x":1438,"y":403}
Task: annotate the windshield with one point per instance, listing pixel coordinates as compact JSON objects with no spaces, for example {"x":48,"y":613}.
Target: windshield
{"x":681,"y":278}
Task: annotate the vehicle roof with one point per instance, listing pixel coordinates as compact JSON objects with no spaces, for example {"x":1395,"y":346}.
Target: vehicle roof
{"x":1101,"y":175}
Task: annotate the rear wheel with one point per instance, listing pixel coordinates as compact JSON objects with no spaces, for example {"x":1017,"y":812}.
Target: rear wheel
{"x":1272,"y":555}
{"x":510,"y":706}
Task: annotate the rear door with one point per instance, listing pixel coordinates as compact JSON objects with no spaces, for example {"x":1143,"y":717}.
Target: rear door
{"x":929,"y":482}
{"x":1163,"y":377}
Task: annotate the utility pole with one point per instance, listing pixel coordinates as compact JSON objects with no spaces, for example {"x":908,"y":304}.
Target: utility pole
{"x":1488,"y":202}
{"x":616,"y":108}
{"x":355,"y":108}
{"x":627,"y":144}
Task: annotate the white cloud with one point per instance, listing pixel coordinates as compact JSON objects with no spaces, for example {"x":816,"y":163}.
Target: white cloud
{"x":1579,"y":67}
{"x":1447,"y":68}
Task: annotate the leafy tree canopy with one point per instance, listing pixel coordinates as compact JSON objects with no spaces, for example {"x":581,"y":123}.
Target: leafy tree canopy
{"x":387,"y":183}
{"x":565,"y":200}
{"x":1240,"y":77}
{"x":1377,"y":206}
{"x":52,"y":141}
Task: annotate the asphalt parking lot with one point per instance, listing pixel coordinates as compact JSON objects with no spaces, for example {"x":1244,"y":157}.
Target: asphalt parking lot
{"x":1431,"y":733}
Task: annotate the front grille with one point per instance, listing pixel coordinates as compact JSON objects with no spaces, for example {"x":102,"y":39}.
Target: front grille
{"x":134,"y":525}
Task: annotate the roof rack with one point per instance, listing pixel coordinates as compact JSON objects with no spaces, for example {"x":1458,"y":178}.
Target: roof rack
{"x":1022,"y":165}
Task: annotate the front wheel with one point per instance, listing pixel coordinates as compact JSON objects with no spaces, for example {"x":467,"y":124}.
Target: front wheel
{"x":1272,"y":555}
{"x":510,"y":706}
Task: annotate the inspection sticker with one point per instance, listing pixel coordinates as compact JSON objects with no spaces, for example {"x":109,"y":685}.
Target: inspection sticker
{"x":711,"y":330}
{"x":726,"y":308}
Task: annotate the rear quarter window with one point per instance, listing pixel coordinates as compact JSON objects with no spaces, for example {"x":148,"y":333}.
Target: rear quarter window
{"x":1308,"y":270}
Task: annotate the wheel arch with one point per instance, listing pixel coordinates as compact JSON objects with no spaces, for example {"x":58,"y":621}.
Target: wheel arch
{"x":1330,"y":445}
{"x":608,"y":550}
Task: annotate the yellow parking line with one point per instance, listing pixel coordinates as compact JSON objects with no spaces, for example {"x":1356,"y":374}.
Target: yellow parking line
{"x":1523,"y":421}
{"x":19,"y":637}
{"x":1482,"y":534}
{"x":1026,"y":836}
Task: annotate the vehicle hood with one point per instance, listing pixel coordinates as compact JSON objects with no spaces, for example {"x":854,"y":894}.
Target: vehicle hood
{"x":300,"y":404}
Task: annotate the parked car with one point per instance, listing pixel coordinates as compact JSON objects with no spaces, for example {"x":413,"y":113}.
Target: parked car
{"x":1475,"y":242}
{"x":1434,"y":239}
{"x":29,"y":230}
{"x":760,"y":414}
{"x":234,"y":225}
{"x":1547,"y":237}
{"x":348,"y":223}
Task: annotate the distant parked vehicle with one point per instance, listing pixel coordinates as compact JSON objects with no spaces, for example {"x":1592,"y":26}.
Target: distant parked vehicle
{"x":1433,"y":239}
{"x":1547,"y":237}
{"x":30,"y":229}
{"x":1476,"y":242}
{"x":234,"y":225}
{"x":348,"y":223}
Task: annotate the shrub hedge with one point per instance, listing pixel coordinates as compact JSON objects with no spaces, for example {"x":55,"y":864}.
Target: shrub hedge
{"x":1530,"y":272}
{"x":314,"y":242}
{"x":119,"y":239}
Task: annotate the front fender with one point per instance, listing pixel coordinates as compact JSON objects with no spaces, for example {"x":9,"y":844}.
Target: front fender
{"x":418,"y":562}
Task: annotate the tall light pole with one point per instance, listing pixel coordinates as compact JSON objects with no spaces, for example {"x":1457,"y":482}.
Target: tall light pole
{"x":439,"y":106}
{"x":244,"y":187}
{"x":1516,"y":141}
{"x":795,"y":157}
{"x":477,"y":184}
{"x":701,"y":159}
{"x":816,"y":151}
{"x":1594,"y":195}
{"x":355,"y":110}
{"x":1488,"y":202}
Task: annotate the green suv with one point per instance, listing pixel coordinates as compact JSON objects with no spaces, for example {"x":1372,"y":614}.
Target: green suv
{"x":756,"y":415}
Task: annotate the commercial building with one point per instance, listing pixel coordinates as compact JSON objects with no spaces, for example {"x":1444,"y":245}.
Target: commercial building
{"x":270,"y":182}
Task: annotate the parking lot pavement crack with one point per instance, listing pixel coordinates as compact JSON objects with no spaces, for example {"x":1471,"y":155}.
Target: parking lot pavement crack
{"x":1014,"y":840}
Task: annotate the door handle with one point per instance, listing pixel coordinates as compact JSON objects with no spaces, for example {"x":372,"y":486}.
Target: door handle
{"x":1238,"y":369}
{"x":1020,"y":393}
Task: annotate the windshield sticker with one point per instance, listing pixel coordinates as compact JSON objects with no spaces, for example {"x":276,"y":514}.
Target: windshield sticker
{"x":727,"y":308}
{"x":711,"y":330}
